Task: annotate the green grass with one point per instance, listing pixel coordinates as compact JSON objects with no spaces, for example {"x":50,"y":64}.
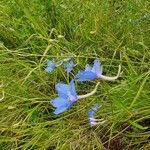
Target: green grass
{"x":116,"y":32}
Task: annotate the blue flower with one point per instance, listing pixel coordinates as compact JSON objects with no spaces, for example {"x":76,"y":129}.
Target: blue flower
{"x":67,"y":96}
{"x":90,"y":73}
{"x":95,"y":72}
{"x":69,"y":66}
{"x":91,"y":115}
{"x":68,"y":62}
{"x":50,"y":66}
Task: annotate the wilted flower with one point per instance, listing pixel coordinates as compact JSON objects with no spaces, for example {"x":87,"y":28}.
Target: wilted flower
{"x":67,"y":96}
{"x":95,"y":72}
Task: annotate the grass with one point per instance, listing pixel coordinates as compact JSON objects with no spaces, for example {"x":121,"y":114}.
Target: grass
{"x":116,"y":32}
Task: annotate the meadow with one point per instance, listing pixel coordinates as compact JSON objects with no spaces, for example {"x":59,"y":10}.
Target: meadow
{"x":116,"y":32}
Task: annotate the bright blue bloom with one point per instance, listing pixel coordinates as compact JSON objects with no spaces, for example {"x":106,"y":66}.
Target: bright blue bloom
{"x":95,"y":72}
{"x":67,"y":96}
{"x":50,"y":66}
{"x":90,"y":73}
{"x":91,"y":114}
{"x":69,"y":66}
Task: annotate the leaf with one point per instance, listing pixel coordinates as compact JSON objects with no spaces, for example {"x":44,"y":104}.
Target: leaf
{"x":136,"y":125}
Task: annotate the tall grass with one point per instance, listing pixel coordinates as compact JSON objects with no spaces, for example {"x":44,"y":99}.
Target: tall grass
{"x":116,"y":32}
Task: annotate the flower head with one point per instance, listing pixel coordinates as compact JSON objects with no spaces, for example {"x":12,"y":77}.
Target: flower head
{"x":90,"y":73}
{"x":66,"y":97}
{"x":95,"y":72}
{"x":91,"y":114}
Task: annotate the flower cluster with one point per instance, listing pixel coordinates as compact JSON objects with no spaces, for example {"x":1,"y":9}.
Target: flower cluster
{"x":68,"y":64}
{"x":67,"y":94}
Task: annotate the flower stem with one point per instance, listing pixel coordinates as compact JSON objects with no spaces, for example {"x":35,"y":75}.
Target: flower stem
{"x":89,"y":94}
{"x":111,"y":78}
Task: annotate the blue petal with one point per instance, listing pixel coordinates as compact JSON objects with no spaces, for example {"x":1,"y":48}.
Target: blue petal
{"x":69,"y":66}
{"x":72,"y":89}
{"x":91,"y":113}
{"x":50,"y":66}
{"x":59,"y":101}
{"x":93,"y":110}
{"x":88,"y":67}
{"x":97,"y":67}
{"x":62,"y":89}
{"x":86,"y":76}
{"x":61,"y":109}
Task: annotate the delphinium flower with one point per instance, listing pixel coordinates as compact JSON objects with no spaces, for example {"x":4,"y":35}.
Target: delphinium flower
{"x":67,"y":96}
{"x":91,"y":116}
{"x":69,"y":64}
{"x":95,"y":72}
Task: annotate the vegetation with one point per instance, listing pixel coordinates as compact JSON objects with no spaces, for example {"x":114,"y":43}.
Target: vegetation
{"x":115,"y":32}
